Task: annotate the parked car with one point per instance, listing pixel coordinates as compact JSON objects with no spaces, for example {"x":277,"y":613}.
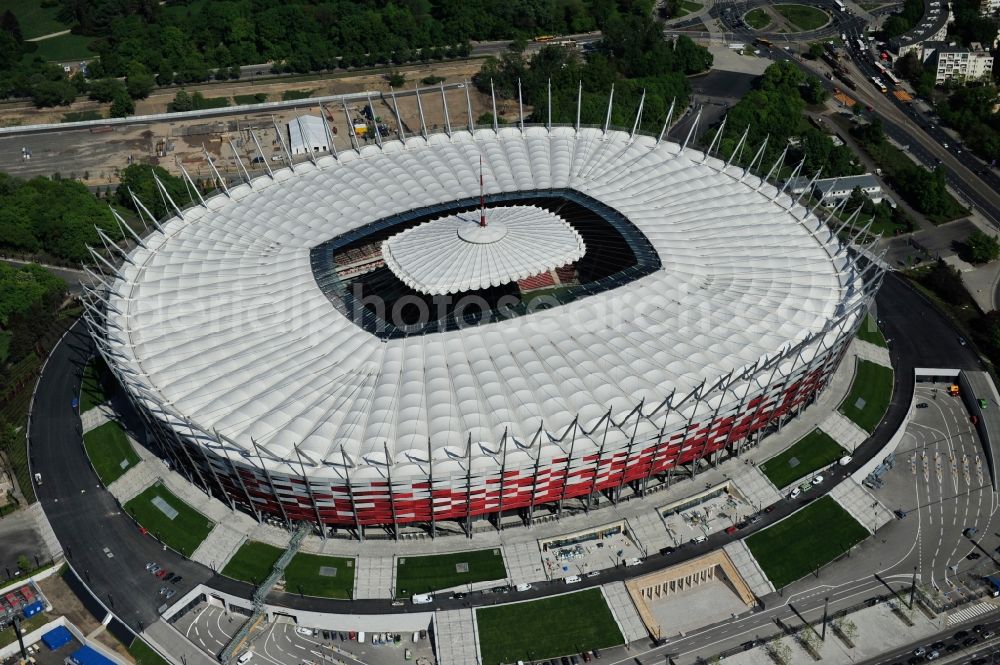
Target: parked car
{"x":169,"y":593}
{"x":817,"y":479}
{"x":161,"y":573}
{"x":794,"y":493}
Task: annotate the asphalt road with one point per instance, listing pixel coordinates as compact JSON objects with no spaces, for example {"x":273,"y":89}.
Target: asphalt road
{"x":101,"y":542}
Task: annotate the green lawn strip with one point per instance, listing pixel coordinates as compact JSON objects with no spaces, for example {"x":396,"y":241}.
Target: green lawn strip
{"x":873,"y":385}
{"x":757,"y":19}
{"x":869,"y":332}
{"x":813,"y":451}
{"x":546,"y":628}
{"x":252,"y":562}
{"x":423,"y":574}
{"x":802,"y":17}
{"x":688,"y":7}
{"x":144,"y":654}
{"x":302,"y":575}
{"x":35,"y":18}
{"x":91,"y":390}
{"x":289,"y":95}
{"x":108,"y":447}
{"x":256,"y":98}
{"x":184,"y":533}
{"x":64,"y":48}
{"x":808,"y":539}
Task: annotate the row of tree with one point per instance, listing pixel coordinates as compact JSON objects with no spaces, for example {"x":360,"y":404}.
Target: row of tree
{"x":775,"y":109}
{"x":633,"y":57}
{"x":56,"y":219}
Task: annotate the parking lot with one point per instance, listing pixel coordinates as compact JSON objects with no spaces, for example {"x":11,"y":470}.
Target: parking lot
{"x":283,"y":642}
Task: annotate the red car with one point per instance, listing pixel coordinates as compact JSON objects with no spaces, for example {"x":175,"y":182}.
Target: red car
{"x":161,"y":573}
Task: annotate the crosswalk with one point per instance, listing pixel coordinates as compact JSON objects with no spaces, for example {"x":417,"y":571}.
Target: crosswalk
{"x":970,"y":612}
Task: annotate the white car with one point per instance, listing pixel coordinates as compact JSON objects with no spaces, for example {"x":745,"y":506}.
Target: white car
{"x":524,"y":586}
{"x":301,"y":630}
{"x":817,"y":479}
{"x":794,"y":493}
{"x":845,"y":460}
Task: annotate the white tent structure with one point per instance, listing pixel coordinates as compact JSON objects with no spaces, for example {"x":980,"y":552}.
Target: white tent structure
{"x":270,"y":395}
{"x":306,"y":134}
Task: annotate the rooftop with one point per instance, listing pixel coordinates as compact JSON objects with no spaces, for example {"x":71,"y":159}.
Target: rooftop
{"x":455,"y":253}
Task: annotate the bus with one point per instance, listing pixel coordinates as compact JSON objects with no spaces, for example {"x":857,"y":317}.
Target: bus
{"x":880,"y":67}
{"x":545,"y":38}
{"x":766,"y":43}
{"x":840,"y":5}
{"x":892,"y":77}
{"x":878,"y":84}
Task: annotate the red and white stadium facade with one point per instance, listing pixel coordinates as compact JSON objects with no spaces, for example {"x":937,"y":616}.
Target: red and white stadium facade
{"x":760,"y":302}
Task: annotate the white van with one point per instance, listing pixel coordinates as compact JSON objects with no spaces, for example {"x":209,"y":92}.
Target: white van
{"x":422,"y":599}
{"x":244,"y":657}
{"x":572,"y":579}
{"x":361,"y":637}
{"x":634,"y":561}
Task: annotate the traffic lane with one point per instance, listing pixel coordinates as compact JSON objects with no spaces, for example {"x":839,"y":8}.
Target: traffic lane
{"x":947,"y":636}
{"x":101,"y":543}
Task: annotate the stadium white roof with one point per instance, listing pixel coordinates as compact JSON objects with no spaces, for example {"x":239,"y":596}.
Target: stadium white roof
{"x":306,"y":134}
{"x":220,"y":318}
{"x":454,"y":253}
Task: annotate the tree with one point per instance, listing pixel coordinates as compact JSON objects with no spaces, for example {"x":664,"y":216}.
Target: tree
{"x":23,"y":563}
{"x":813,"y":91}
{"x":815,"y":51}
{"x":139,"y":80}
{"x":9,"y":24}
{"x":53,"y":93}
{"x":396,"y":79}
{"x":106,"y":89}
{"x":182,"y":102}
{"x":983,"y":248}
{"x":122,"y":105}
{"x":139,"y":179}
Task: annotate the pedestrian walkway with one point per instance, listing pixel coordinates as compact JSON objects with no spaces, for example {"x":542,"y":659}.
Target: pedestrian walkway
{"x":844,"y":431}
{"x":861,"y":504}
{"x":971,"y":612}
{"x":219,"y":546}
{"x":748,"y":568}
{"x":456,"y":637}
{"x":648,"y":529}
{"x":623,"y":609}
{"x":375,"y":577}
{"x":135,"y":480}
{"x":755,"y":486}
{"x":876,"y":354}
{"x":94,"y":418}
{"x":44,"y":529}
{"x":524,"y":563}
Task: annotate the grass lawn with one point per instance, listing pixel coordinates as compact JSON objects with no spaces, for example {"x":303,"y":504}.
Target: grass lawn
{"x":546,"y":628}
{"x":91,"y":390}
{"x":34,"y":19}
{"x":808,"y":539}
{"x":869,"y":332}
{"x":803,"y":17}
{"x":80,"y":116}
{"x":873,"y":385}
{"x":289,"y":95}
{"x":688,"y":7}
{"x":108,"y":448}
{"x":256,"y":98}
{"x":303,"y":572}
{"x":252,"y":562}
{"x":184,"y":532}
{"x":813,"y":451}
{"x":422,"y":574}
{"x":144,"y":654}
{"x":757,"y":19}
{"x":65,"y":48}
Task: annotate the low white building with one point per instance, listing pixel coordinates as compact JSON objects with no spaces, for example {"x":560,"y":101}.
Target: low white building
{"x":989,"y":7}
{"x":306,"y":134}
{"x":831,"y":191}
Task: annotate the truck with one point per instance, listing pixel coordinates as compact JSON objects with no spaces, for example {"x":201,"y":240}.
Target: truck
{"x":994,"y":583}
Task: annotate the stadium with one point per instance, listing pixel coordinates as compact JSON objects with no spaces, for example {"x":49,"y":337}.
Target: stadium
{"x":484,"y":323}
